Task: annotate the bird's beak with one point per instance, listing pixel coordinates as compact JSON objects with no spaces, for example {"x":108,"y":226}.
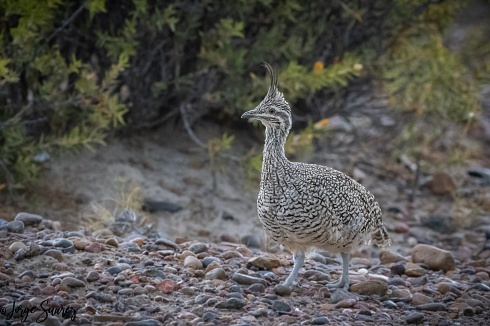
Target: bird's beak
{"x":252,"y":114}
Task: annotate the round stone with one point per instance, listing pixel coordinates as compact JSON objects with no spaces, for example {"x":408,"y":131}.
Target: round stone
{"x":28,"y":219}
{"x":198,"y":248}
{"x":92,"y":276}
{"x":55,"y":253}
{"x":16,"y":246}
{"x":62,"y":243}
{"x":192,"y":262}
{"x":15,"y":227}
{"x":279,"y":305}
{"x":216,"y":274}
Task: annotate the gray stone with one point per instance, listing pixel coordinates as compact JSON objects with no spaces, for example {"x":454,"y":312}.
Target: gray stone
{"x":62,"y":243}
{"x":435,"y":306}
{"x":16,"y":246}
{"x":192,"y":262}
{"x":282,"y":290}
{"x":114,"y":270}
{"x":15,"y":227}
{"x":320,"y":320}
{"x":419,"y":299}
{"x":167,"y":242}
{"x":401,"y":295}
{"x":208,"y":260}
{"x":256,"y":288}
{"x":247,"y":280}
{"x":414,"y":318}
{"x":197,"y":248}
{"x":346,"y":303}
{"x":216,"y":274}
{"x":28,"y":219}
{"x":73,"y":282}
{"x":144,"y":322}
{"x":208,"y":316}
{"x":232,"y":303}
{"x":251,"y":241}
{"x":282,"y":306}
{"x":92,"y":276}
{"x":341,"y":294}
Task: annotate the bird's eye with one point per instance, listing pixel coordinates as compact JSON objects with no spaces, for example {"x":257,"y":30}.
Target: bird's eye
{"x":271,"y":111}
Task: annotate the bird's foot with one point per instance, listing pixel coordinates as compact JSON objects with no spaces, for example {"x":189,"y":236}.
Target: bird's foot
{"x":289,"y":284}
{"x":340,"y":284}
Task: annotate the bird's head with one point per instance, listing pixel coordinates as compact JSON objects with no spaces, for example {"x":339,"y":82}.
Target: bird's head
{"x":274,"y":110}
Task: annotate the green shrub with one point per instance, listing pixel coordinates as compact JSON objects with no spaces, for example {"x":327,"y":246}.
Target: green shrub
{"x":71,"y":72}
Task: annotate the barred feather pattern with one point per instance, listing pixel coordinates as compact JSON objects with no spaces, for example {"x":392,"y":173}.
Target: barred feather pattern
{"x":307,"y":206}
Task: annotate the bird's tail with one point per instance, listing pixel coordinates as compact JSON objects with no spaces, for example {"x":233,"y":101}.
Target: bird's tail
{"x":381,"y":237}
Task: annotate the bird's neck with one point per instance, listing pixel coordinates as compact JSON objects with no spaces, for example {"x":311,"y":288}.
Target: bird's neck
{"x":275,"y":163}
{"x":274,"y":145}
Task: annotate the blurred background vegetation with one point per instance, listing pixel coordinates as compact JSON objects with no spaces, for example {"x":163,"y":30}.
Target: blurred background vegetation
{"x":74,"y":72}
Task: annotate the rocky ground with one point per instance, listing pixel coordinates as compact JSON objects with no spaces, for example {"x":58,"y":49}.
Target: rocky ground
{"x":54,"y":277}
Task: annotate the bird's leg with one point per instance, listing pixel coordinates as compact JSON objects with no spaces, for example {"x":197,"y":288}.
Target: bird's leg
{"x":299,"y":259}
{"x":343,"y":281}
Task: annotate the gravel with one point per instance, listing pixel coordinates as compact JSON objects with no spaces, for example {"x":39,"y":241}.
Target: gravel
{"x":106,"y":280}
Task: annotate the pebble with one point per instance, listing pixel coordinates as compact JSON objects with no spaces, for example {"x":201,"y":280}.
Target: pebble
{"x":398,"y":269}
{"x":167,"y":286}
{"x":419,"y":299}
{"x":341,"y":294}
{"x":16,"y":246}
{"x":192,"y":262}
{"x":198,"y":248}
{"x":370,"y":287}
{"x":401,"y":295}
{"x":145,"y":322}
{"x":209,"y":316}
{"x":435,"y":258}
{"x":414,"y":318}
{"x":62,"y":243}
{"x":216,"y":274}
{"x":112,"y":242}
{"x":251,"y":241}
{"x":55,"y":253}
{"x":28,"y":219}
{"x":282,"y":290}
{"x":92,"y":276}
{"x":73,"y":282}
{"x":435,"y":306}
{"x":93,"y":247}
{"x":346,"y":303}
{"x":264,"y":262}
{"x":114,"y":270}
{"x":247,"y":280}
{"x":279,"y":305}
{"x":167,"y":242}
{"x":414,"y":270}
{"x":257,"y":288}
{"x":323,"y":320}
{"x":232,"y":303}
{"x":208,"y":260}
{"x":15,"y":227}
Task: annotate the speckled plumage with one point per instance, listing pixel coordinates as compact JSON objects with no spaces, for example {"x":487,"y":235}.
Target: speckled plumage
{"x":307,"y":206}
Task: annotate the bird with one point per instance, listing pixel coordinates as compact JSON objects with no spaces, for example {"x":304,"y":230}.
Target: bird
{"x":309,"y":207}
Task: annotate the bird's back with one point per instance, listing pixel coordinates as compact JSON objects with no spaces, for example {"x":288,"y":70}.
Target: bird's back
{"x":310,"y":206}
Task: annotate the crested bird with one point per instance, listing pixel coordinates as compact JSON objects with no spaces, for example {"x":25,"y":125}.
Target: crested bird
{"x":306,"y":207}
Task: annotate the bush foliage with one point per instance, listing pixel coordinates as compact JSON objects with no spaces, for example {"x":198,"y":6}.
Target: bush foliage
{"x":73,"y":71}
